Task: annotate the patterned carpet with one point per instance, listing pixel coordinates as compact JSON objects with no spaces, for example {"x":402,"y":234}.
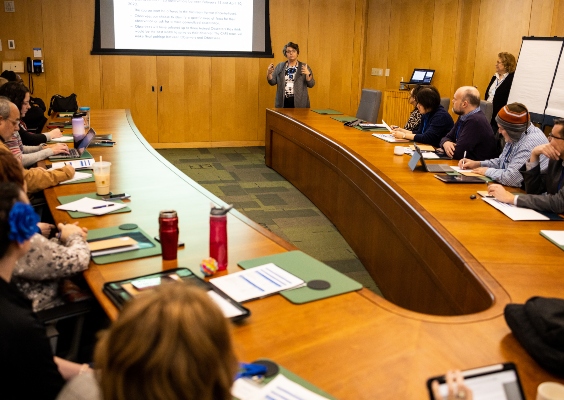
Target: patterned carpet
{"x":239,"y":177}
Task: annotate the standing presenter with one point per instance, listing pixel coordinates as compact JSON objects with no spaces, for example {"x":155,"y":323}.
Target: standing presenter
{"x":292,"y":77}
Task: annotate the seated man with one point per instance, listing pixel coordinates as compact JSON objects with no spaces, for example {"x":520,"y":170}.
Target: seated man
{"x":545,"y":192}
{"x":521,"y":138}
{"x":36,"y":179}
{"x":472,"y":135}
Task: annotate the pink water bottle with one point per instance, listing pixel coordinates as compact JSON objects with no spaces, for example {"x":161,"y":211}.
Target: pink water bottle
{"x":168,"y":232}
{"x":218,"y":235}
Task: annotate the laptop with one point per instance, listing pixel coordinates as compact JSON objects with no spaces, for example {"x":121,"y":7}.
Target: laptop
{"x":460,"y":179}
{"x":79,"y":147}
{"x":418,"y":156}
{"x":421,"y":77}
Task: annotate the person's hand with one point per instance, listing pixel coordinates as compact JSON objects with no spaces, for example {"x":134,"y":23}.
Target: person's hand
{"x":399,"y":133}
{"x":305,"y":71}
{"x":70,"y":229}
{"x":60,"y":148}
{"x":55,"y":133}
{"x":545,"y":149}
{"x":45,"y":228}
{"x":480,"y":170}
{"x":449,"y":147}
{"x":457,"y":390}
{"x":466,"y":163}
{"x":500,"y":193}
{"x":270,"y":70}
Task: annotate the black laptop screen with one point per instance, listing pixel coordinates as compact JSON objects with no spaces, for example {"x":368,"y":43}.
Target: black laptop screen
{"x":422,"y":76}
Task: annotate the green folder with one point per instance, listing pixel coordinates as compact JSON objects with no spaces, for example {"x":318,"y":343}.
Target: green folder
{"x":383,"y":130}
{"x":93,"y":195}
{"x":84,"y":155}
{"x":295,"y":378}
{"x":344,"y":118}
{"x":306,"y":268}
{"x":327,"y":111}
{"x":85,"y":180}
{"x":127,"y":255}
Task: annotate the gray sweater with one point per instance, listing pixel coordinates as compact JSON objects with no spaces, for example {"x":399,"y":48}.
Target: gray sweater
{"x":301,"y":98}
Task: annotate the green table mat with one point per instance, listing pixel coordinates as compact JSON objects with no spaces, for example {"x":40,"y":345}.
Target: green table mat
{"x":128,"y":255}
{"x":84,"y":155}
{"x":306,"y":268}
{"x":383,"y":130}
{"x":297,"y":379}
{"x":91,"y":179}
{"x":344,"y":118}
{"x":484,"y":178}
{"x":327,"y":111}
{"x":93,"y":195}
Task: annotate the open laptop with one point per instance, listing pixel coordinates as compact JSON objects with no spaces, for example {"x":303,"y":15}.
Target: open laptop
{"x":79,"y":147}
{"x":418,"y":156}
{"x":421,"y":77}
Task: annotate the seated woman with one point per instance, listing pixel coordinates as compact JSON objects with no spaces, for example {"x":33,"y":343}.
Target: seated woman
{"x":414,"y":119}
{"x":545,"y":192}
{"x":29,"y":147}
{"x":436,"y":122}
{"x":28,"y":368}
{"x":172,"y":342}
{"x":521,"y":137}
{"x":38,"y":273}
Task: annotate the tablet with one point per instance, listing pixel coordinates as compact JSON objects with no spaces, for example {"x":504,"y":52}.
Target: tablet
{"x":460,"y":179}
{"x":500,"y":382}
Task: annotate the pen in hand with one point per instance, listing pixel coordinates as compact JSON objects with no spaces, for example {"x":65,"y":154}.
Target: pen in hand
{"x":463,"y":159}
{"x":104,"y":205}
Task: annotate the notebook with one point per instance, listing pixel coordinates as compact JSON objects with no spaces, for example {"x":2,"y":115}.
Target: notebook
{"x":79,"y":147}
{"x":418,"y":156}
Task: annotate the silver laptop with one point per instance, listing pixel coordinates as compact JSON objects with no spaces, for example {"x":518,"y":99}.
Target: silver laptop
{"x":79,"y":147}
{"x":418,"y":156}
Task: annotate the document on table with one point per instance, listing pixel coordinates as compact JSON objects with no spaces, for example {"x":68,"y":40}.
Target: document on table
{"x":428,"y":155}
{"x":63,"y":139}
{"x":256,"y":282}
{"x":466,"y":172}
{"x":280,"y":388}
{"x":91,"y":206}
{"x":516,"y":213}
{"x":77,"y":164}
{"x":556,"y":237}
{"x":78,"y":176}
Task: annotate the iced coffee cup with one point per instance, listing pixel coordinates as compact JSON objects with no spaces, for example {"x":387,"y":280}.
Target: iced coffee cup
{"x":102,"y":177}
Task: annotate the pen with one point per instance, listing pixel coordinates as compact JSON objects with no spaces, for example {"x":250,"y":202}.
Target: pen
{"x":102,"y":206}
{"x":463,"y":159}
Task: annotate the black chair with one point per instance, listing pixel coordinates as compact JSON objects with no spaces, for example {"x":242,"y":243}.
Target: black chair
{"x":369,"y":105}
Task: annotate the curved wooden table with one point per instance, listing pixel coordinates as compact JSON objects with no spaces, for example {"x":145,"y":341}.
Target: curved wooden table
{"x":357,"y":345}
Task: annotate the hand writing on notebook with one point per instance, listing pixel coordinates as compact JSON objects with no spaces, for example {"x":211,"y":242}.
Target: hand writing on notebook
{"x":466,"y":163}
{"x":500,"y":193}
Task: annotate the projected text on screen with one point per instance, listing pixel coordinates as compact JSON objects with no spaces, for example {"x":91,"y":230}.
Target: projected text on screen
{"x":217,"y":25}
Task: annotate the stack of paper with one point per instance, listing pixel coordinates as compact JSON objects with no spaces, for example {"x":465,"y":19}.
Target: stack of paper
{"x":78,"y":176}
{"x":91,"y":206}
{"x":279,"y":388}
{"x":77,"y":164}
{"x":111,"y":246}
{"x":257,"y":282}
{"x":514,"y":212}
{"x":556,"y":237}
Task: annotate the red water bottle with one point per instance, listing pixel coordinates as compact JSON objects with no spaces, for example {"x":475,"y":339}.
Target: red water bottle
{"x":168,"y":232}
{"x":218,"y":235}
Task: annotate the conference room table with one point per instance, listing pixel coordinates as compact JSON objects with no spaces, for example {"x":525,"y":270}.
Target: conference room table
{"x":356,"y":345}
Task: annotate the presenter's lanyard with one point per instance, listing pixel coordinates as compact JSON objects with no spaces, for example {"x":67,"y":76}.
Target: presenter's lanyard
{"x":499,"y":81}
{"x":506,"y":160}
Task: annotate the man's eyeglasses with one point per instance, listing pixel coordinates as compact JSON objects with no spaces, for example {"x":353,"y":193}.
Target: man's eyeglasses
{"x":551,"y":136}
{"x":14,"y":122}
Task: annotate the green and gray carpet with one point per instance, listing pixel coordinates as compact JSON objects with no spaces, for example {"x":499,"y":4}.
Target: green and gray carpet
{"x":239,"y":176}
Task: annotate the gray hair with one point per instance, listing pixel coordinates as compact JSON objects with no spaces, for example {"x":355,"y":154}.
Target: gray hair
{"x":4,"y":107}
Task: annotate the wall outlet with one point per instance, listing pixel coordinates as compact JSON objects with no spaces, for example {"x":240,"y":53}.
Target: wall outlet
{"x":9,"y":6}
{"x":11,"y":44}
{"x":387,"y":72}
{"x":374,"y":72}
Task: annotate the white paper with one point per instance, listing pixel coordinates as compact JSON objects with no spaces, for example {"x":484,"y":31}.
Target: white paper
{"x":86,"y":205}
{"x":228,"y":309}
{"x":77,"y":164}
{"x":114,"y":250}
{"x":516,"y":213}
{"x":256,"y":282}
{"x":78,"y":176}
{"x":63,"y":139}
{"x":388,"y":137}
{"x":556,"y":236}
{"x":282,"y":388}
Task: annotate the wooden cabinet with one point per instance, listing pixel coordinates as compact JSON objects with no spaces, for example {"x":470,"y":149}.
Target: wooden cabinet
{"x":396,"y":107}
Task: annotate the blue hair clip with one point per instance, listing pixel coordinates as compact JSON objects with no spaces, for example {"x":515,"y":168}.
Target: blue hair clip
{"x":23,"y":222}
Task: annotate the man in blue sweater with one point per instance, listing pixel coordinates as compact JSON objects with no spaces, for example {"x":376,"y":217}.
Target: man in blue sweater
{"x":472,"y":135}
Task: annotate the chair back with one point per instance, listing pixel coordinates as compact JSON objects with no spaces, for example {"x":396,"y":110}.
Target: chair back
{"x":369,"y":105}
{"x":445,"y":102}
{"x":487,"y":108}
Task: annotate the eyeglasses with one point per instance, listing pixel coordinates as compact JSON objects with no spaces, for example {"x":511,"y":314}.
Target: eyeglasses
{"x":14,"y":122}
{"x":551,"y":136}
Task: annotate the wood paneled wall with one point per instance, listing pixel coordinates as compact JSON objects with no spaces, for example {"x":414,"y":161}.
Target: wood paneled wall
{"x":221,"y":101}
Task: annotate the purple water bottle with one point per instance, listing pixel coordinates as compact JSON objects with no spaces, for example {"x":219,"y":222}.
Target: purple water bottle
{"x":168,"y":232}
{"x":218,"y":235}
